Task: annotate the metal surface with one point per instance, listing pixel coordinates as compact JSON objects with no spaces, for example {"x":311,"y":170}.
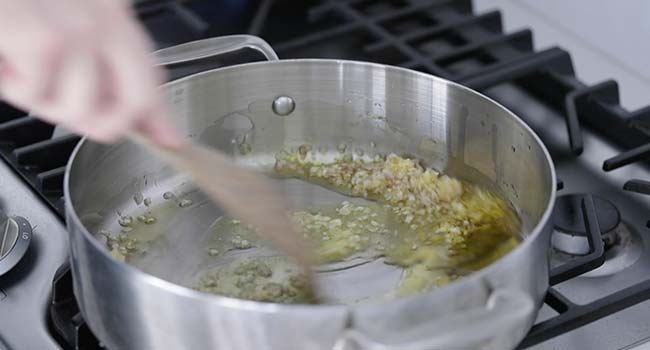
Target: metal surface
{"x":8,"y":235}
{"x":26,"y":288}
{"x":612,"y":288}
{"x":364,"y":31}
{"x":335,"y":101}
{"x":366,"y":36}
{"x":506,"y":308}
{"x":593,"y":257}
{"x":568,"y":214}
{"x":205,"y":48}
{"x":14,"y":241}
{"x":283,"y":106}
{"x":450,"y":26}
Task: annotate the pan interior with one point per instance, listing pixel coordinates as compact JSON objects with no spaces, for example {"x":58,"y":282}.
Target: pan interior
{"x":448,"y":128}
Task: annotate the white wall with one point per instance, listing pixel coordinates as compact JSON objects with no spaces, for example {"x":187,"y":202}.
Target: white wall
{"x":606,"y":38}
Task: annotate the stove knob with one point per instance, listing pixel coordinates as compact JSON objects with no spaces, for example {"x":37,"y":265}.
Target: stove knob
{"x":15,"y":235}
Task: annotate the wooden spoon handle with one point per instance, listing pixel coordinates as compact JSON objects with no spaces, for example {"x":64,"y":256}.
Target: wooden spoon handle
{"x":244,"y":194}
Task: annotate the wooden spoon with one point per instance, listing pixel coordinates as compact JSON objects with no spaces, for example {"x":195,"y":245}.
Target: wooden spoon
{"x":242,"y":193}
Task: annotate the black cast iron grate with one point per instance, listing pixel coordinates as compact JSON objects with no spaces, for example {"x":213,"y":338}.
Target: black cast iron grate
{"x":441,"y":37}
{"x":26,"y":143}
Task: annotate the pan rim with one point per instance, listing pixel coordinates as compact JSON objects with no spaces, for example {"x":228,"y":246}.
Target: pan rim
{"x":537,"y":229}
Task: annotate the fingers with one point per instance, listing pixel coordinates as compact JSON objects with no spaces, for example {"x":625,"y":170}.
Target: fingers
{"x":76,"y":92}
{"x":138,"y":87}
{"x":29,"y":75}
{"x":75,"y":86}
{"x":94,"y":75}
{"x":157,"y":126}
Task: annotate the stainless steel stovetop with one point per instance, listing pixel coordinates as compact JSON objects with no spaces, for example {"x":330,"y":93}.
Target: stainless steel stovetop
{"x":627,"y":262}
{"x":25,"y":290}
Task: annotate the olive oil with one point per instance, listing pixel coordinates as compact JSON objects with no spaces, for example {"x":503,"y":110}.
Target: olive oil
{"x":433,"y":227}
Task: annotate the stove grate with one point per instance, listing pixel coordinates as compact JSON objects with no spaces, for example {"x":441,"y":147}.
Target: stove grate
{"x":441,"y":37}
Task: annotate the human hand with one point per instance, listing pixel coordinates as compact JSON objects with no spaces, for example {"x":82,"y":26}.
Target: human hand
{"x":84,"y":64}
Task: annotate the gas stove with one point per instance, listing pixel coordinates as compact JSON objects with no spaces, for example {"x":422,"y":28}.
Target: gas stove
{"x":600,"y":257}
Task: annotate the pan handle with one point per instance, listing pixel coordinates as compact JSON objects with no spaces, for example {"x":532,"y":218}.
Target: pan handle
{"x":499,"y":325}
{"x":200,"y":49}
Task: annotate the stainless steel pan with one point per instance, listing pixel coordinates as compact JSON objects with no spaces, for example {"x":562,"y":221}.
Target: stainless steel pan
{"x":253,"y":111}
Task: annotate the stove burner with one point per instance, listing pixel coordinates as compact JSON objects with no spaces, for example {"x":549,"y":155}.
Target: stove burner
{"x":66,"y":320}
{"x":570,"y":231}
{"x":622,"y":245}
{"x":568,"y":216}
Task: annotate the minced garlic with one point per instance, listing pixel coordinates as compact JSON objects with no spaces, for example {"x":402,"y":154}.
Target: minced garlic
{"x":449,"y":225}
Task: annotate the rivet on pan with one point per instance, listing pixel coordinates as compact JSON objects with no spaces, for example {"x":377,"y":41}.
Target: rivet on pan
{"x":283,"y":105}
